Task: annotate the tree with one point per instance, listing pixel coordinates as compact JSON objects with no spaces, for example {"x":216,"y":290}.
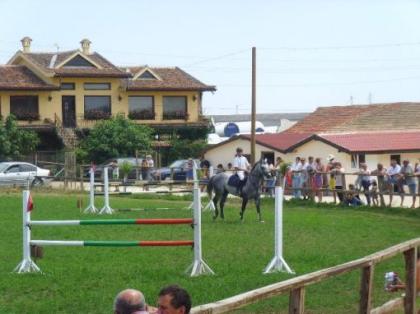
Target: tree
{"x":113,"y":138}
{"x":16,"y":142}
{"x":185,"y":148}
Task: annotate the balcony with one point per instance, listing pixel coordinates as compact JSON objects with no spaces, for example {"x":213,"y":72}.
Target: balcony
{"x":175,"y":115}
{"x":141,"y":115}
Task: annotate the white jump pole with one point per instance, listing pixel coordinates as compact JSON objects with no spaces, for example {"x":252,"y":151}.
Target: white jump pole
{"x":26,"y":265}
{"x":107,"y":208}
{"x":195,"y":178}
{"x":91,"y":207}
{"x":210,"y":206}
{"x":198,"y":266}
{"x":278,"y":263}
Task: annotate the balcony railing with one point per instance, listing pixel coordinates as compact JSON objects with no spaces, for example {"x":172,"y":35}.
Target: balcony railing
{"x":175,"y":115}
{"x":96,"y":115}
{"x":141,"y":115}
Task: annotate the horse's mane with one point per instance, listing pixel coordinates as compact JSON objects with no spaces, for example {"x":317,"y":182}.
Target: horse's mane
{"x":253,"y":167}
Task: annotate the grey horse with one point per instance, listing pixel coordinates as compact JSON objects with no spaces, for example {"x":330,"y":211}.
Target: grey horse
{"x":251,"y":190}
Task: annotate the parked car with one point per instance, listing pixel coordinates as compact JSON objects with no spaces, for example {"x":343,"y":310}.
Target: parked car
{"x":179,"y":169}
{"x":20,"y":173}
{"x":131,"y":160}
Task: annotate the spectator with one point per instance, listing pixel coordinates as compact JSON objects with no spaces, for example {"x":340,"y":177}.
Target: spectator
{"x":365,"y":181}
{"x":174,"y":300}
{"x":340,"y":180}
{"x":351,"y":197}
{"x":131,"y":301}
{"x":220,"y":168}
{"x":318,"y":178}
{"x":150,"y":166}
{"x":115,"y":170}
{"x":407,"y":178}
{"x":393,"y":176}
{"x":205,"y":166}
{"x":229,"y":167}
{"x":297,"y":178}
{"x":374,"y":193}
{"x":380,"y":173}
{"x":304,"y":177}
{"x":144,"y":169}
{"x":277,"y":167}
{"x":310,"y":169}
{"x":190,"y":169}
{"x":328,"y":168}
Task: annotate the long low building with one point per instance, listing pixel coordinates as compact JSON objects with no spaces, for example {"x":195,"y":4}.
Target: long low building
{"x":353,"y":134}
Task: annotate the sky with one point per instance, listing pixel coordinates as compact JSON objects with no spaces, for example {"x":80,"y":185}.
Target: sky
{"x":309,"y":53}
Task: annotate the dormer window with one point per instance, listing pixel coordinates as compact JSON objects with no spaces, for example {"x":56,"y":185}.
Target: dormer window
{"x":79,"y":61}
{"x":147,"y":75}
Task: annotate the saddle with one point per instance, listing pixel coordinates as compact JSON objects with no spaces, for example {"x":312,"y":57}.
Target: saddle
{"x":234,"y":181}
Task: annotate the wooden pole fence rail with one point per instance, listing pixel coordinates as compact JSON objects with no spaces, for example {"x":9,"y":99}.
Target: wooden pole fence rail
{"x":296,"y":286}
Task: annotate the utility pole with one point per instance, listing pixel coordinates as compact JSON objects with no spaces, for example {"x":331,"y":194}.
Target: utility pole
{"x":253,"y":103}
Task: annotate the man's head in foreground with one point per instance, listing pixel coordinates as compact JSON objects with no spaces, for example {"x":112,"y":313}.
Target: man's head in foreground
{"x":174,"y":300}
{"x":129,"y":301}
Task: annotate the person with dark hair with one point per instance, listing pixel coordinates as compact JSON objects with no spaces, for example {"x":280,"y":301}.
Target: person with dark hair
{"x":130,"y":301}
{"x":174,"y":300}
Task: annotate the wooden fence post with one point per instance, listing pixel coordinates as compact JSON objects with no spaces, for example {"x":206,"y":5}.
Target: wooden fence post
{"x":366,"y":286}
{"x":297,"y":301}
{"x":410,"y":281}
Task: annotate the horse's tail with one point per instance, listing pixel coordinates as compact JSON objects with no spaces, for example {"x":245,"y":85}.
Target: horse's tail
{"x":210,"y":187}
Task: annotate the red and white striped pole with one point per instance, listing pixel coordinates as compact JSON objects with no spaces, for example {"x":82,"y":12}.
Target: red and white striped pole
{"x":26,"y":265}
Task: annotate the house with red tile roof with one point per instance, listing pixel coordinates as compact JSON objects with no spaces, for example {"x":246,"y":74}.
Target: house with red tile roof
{"x":353,"y":134}
{"x":59,"y":92}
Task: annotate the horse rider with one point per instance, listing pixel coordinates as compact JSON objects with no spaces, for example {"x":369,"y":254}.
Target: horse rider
{"x":241,"y":165}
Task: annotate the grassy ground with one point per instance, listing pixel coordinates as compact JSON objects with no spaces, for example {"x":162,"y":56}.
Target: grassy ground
{"x":85,"y":280}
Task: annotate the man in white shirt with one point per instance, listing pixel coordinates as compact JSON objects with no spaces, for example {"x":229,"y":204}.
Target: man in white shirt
{"x":297,"y":168}
{"x":241,"y":165}
{"x":393,"y":173}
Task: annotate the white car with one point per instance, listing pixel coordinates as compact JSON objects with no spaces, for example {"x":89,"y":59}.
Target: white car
{"x":22,"y":174}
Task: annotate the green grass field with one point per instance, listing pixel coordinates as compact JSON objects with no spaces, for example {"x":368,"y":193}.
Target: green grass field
{"x":85,"y":280}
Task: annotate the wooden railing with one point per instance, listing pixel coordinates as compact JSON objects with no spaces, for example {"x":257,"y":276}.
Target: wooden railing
{"x":296,"y":286}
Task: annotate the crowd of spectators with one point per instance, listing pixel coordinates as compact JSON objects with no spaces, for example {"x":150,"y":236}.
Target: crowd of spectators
{"x":310,"y":179}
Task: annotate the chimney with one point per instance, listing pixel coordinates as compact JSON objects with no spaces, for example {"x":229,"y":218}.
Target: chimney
{"x":26,"y":44}
{"x":86,"y":46}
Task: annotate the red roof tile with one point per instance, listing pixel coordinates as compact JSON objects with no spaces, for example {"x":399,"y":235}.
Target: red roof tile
{"x":170,"y":79}
{"x":375,"y":142}
{"x":375,"y":117}
{"x":19,"y":77}
{"x":49,"y":61}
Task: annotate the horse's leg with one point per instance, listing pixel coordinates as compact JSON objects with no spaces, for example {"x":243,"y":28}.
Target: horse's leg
{"x":222,"y":204}
{"x":257,"y":205}
{"x":244,"y":202}
{"x":215,"y":201}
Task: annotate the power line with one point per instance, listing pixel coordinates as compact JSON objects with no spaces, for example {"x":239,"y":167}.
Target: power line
{"x":325,"y":84}
{"x":217,"y":58}
{"x":406,"y":44}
